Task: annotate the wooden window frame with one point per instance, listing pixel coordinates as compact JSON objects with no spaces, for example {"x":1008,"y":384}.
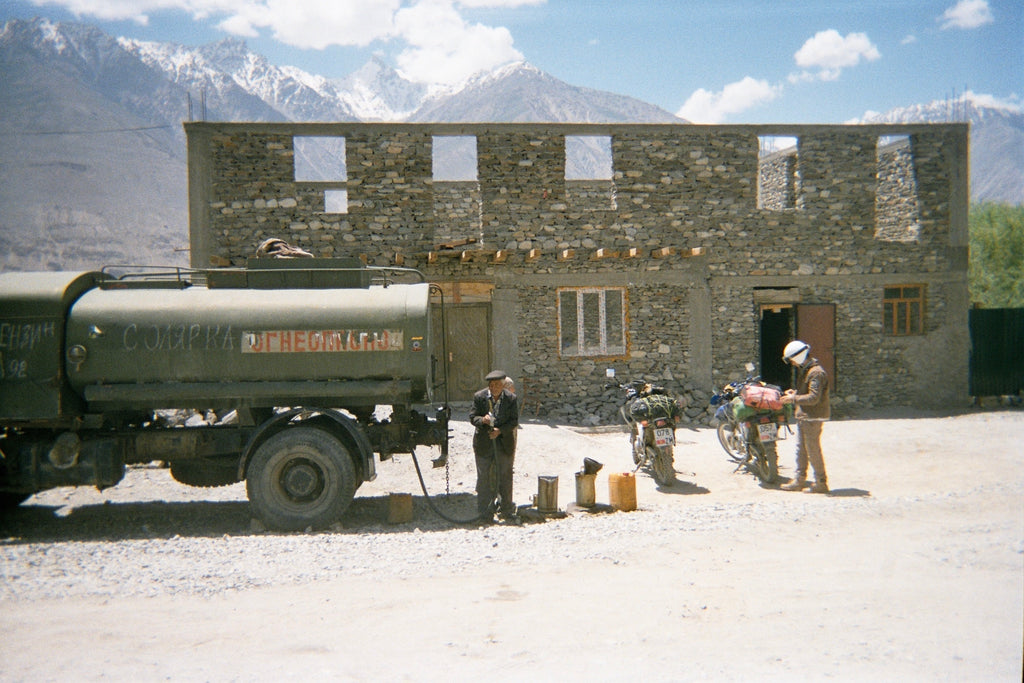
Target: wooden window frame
{"x":903,"y":310}
{"x":582,"y":324}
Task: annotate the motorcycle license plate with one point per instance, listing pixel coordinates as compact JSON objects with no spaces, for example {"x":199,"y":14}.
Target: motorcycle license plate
{"x":767,"y":431}
{"x":664,"y":437}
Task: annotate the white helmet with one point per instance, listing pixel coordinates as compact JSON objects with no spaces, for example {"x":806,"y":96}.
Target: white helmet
{"x":795,"y":352}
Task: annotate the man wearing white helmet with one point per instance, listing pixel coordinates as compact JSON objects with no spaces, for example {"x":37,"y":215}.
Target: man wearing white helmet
{"x":812,"y":410}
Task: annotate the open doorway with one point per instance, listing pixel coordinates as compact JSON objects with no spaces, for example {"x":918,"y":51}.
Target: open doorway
{"x":777,"y":327}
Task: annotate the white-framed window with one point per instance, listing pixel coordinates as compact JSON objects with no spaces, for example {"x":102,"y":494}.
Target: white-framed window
{"x":592,"y":321}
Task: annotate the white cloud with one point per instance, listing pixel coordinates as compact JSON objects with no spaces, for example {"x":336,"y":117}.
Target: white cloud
{"x":829,"y":53}
{"x":507,"y":4}
{"x":708,"y":107}
{"x":908,"y":39}
{"x":443,"y":48}
{"x":439,"y":45}
{"x":967,"y":14}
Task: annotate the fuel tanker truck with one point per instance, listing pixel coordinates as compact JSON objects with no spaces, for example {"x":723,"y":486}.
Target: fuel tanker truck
{"x":307,"y":367}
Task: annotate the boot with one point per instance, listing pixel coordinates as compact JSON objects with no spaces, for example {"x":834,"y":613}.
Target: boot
{"x":798,"y":483}
{"x":820,"y":486}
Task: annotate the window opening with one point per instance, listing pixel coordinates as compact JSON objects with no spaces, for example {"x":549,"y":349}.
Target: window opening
{"x":903,"y":310}
{"x":321,"y":159}
{"x":592,"y":321}
{"x":589,"y":172}
{"x":458,"y":207}
{"x":897,"y":209}
{"x":778,"y":172}
{"x":454,"y":158}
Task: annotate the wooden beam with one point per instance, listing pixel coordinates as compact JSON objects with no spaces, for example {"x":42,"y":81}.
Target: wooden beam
{"x":501,"y":256}
{"x":533,"y":255}
{"x":456,"y":243}
{"x":603,"y":253}
{"x":662,"y":252}
{"x":566,"y":254}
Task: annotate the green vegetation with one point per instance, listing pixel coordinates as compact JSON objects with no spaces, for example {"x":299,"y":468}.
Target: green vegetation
{"x":995,"y":273}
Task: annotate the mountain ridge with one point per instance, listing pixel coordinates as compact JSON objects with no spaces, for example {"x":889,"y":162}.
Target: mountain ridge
{"x":92,"y":147}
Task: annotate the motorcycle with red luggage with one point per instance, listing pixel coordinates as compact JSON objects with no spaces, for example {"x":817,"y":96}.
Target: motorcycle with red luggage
{"x":751,"y":418}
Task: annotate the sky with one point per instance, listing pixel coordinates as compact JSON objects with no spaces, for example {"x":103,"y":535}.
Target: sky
{"x":708,"y":61}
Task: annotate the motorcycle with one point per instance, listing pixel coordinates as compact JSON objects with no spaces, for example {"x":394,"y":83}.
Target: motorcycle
{"x":750,"y":421}
{"x":651,"y":416}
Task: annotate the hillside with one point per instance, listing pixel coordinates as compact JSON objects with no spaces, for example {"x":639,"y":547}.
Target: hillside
{"x":92,"y":149}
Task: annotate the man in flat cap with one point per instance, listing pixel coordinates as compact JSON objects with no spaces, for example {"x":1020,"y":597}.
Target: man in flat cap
{"x":496,"y":417}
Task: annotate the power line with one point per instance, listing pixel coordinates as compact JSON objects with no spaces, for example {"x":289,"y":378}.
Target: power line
{"x":91,"y":132}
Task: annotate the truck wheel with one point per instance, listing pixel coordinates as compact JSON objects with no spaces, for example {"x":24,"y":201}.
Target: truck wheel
{"x":301,"y":477}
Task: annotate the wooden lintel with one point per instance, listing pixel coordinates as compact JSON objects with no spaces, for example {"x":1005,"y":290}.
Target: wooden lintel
{"x":632,"y":252}
{"x":662,"y":252}
{"x":697,"y":251}
{"x":605,"y":253}
{"x":399,"y":258}
{"x":501,"y":256}
{"x":431,"y":257}
{"x":456,"y":243}
{"x":533,"y":255}
{"x":566,"y":254}
{"x":466,"y":255}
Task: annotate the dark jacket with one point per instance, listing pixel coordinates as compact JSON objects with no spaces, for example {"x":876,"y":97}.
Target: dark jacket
{"x":812,"y":402}
{"x":506,"y":414}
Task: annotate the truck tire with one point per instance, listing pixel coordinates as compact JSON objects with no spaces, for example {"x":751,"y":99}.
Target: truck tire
{"x":300,"y":478}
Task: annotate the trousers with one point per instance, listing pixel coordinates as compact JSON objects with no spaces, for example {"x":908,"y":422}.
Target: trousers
{"x":493,"y":463}
{"x":808,"y":450}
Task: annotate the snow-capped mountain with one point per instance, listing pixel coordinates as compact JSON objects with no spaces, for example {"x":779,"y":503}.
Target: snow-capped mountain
{"x":996,"y":144}
{"x":520,"y":92}
{"x":92,"y":153}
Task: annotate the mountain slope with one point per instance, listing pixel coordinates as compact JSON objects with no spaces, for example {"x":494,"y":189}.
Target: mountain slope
{"x":996,"y":142}
{"x":83,"y":179}
{"x":520,"y":93}
{"x":92,"y":149}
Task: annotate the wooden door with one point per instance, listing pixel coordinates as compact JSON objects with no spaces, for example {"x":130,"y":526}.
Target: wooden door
{"x":816,"y":325}
{"x":468,"y":346}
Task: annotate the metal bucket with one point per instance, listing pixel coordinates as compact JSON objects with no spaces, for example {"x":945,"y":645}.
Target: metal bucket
{"x":546,"y":499}
{"x":585,"y":494}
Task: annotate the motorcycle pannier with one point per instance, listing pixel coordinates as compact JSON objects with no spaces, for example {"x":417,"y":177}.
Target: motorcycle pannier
{"x":761,"y":397}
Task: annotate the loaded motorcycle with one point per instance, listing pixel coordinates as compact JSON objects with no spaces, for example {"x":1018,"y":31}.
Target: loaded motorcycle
{"x":651,"y":416}
{"x":750,"y":419}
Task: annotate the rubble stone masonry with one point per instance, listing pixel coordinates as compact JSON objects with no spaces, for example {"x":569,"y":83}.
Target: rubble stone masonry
{"x":692,"y":223}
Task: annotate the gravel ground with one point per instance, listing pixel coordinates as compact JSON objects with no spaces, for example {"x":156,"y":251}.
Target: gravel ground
{"x":913,"y":566}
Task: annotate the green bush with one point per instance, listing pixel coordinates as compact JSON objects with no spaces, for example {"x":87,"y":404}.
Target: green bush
{"x":995,"y":272}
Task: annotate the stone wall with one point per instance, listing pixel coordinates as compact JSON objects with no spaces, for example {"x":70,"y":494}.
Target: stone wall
{"x":678,"y":225}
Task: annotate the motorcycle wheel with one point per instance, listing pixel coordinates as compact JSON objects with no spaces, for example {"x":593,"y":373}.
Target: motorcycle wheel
{"x":730,"y":441}
{"x":661,"y":465}
{"x":637,"y":447}
{"x":764,"y":463}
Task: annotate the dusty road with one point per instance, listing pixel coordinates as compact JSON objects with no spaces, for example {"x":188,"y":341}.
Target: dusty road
{"x":912,"y":569}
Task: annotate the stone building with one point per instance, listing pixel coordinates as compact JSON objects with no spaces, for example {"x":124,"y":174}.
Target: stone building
{"x":675,"y":253}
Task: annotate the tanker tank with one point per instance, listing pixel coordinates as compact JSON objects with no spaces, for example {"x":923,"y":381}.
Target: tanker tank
{"x":133,"y":344}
